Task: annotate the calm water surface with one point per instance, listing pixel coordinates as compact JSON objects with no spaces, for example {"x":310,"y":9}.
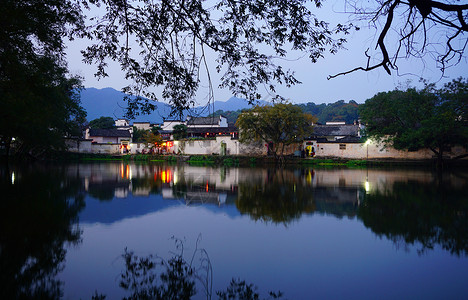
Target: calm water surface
{"x":310,"y":233}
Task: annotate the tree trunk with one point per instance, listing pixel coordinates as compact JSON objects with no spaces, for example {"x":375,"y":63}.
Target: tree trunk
{"x":439,"y":154}
{"x":440,"y":159}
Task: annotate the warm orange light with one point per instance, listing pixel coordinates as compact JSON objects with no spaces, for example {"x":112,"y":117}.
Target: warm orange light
{"x":170,"y":144}
{"x":127,"y":173}
{"x":168,"y":176}
{"x":207,"y":186}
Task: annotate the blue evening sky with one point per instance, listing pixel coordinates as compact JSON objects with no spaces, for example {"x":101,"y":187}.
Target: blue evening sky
{"x":315,"y":87}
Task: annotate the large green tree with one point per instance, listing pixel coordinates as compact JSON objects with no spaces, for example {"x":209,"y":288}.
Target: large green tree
{"x":283,"y":124}
{"x":39,"y":100}
{"x":166,"y":43}
{"x":429,"y":118}
{"x":102,"y":123}
{"x":338,"y":111}
{"x":40,"y":106}
{"x":180,"y":132}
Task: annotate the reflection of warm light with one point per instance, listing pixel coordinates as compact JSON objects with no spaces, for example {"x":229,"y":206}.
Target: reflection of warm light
{"x":176,"y":178}
{"x":166,"y":176}
{"x":125,"y":171}
{"x":207,"y":186}
{"x":367,"y":186}
{"x":13,"y":178}
{"x":309,"y":178}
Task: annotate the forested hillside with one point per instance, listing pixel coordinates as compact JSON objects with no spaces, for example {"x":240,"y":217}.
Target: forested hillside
{"x":338,"y":111}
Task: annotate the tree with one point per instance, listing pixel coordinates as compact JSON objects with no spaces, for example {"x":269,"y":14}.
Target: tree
{"x":102,"y":123}
{"x":179,"y":132}
{"x":427,"y":214}
{"x":138,"y":134}
{"x":417,"y":119}
{"x":155,"y":140}
{"x":156,"y":129}
{"x":338,"y":111}
{"x":417,"y":28}
{"x":39,"y":100}
{"x":165,"y":43}
{"x":38,"y":217}
{"x":40,"y":106}
{"x":277,"y":198}
{"x":283,"y":124}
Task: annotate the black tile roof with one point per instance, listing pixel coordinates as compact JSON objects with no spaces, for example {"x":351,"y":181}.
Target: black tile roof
{"x":212,"y":129}
{"x":110,"y":133}
{"x":203,"y":121}
{"x":335,"y":130}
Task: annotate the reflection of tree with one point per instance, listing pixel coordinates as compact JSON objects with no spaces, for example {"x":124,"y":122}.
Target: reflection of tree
{"x":34,"y":227}
{"x":147,"y":182}
{"x":336,"y":201}
{"x":281,"y":199}
{"x":105,"y":190}
{"x":153,"y":277}
{"x":429,"y":214}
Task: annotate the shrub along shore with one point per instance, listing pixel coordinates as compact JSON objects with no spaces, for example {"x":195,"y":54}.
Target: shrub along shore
{"x":245,"y":161}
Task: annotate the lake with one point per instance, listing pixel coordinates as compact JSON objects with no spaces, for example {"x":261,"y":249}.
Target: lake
{"x":324,"y":233}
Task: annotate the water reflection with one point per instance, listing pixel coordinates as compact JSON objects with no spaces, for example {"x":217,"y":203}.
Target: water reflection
{"x":38,"y":215}
{"x":280,"y":196}
{"x":41,"y":204}
{"x":406,"y":206}
{"x":422,"y":213}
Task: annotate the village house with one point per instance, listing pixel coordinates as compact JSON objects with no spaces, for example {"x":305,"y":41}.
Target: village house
{"x":143,"y":125}
{"x":344,"y":141}
{"x":208,"y":135}
{"x":109,"y":140}
{"x":332,"y":133}
{"x":213,"y":135}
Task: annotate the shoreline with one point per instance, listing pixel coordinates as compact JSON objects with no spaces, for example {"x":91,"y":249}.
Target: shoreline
{"x":246,"y":161}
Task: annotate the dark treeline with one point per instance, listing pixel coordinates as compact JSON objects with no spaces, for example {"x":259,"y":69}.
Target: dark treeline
{"x":331,"y":112}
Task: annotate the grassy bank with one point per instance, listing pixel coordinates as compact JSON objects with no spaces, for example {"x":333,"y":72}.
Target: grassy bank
{"x":245,"y":161}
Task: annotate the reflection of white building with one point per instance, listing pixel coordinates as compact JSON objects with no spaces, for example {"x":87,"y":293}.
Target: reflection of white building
{"x":201,"y":197}
{"x":141,"y":191}
{"x":121,"y":192}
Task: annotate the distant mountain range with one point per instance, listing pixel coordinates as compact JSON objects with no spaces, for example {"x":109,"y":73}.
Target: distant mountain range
{"x":108,"y":102}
